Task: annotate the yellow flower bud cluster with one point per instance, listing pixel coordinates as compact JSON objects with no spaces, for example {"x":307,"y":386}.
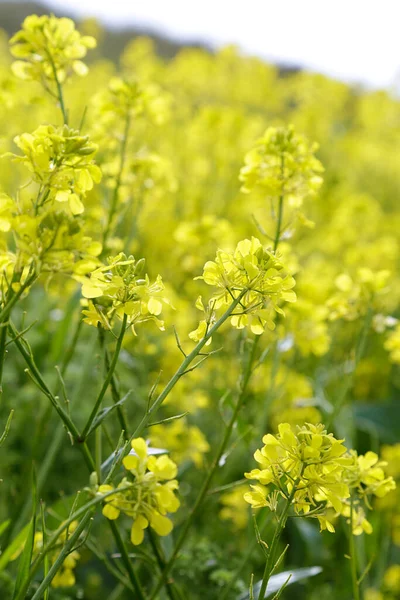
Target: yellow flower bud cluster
{"x":283,"y":164}
{"x":254,"y":273}
{"x":60,"y":160}
{"x":122,"y":288}
{"x":151,"y":495}
{"x":317,"y":472}
{"x":49,"y":49}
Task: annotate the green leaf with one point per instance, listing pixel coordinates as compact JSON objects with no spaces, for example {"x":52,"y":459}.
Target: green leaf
{"x":277,"y":583}
{"x":4,"y":526}
{"x":104,"y":412}
{"x":24,"y":565}
{"x":13,"y":548}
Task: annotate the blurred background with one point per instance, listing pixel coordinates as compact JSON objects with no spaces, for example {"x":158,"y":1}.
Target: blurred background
{"x":354,"y":41}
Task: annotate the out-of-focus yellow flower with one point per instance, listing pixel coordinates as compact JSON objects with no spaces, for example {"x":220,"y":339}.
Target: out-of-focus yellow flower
{"x":49,"y":48}
{"x":184,"y":441}
{"x":234,"y":508}
{"x":283,"y":164}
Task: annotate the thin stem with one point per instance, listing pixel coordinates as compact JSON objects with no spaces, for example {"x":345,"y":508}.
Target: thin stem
{"x":270,"y":564}
{"x":59,"y":89}
{"x":66,"y":549}
{"x":353,"y":557}
{"x":126,"y":560}
{"x":279,"y":223}
{"x":107,"y":380}
{"x":207,"y":482}
{"x":184,"y":366}
{"x":169,"y":585}
{"x":114,"y":200}
{"x":280,"y":210}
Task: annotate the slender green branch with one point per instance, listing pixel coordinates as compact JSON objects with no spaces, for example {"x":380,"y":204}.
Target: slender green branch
{"x":127,"y":562}
{"x":184,"y":366}
{"x":38,"y":378}
{"x":270,"y":564}
{"x":66,"y":549}
{"x":215,"y":464}
{"x":60,"y":95}
{"x":115,"y":196}
{"x":107,"y":380}
{"x":353,"y":557}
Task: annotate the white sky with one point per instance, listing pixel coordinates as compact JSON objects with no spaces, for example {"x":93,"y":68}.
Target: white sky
{"x":354,"y":40}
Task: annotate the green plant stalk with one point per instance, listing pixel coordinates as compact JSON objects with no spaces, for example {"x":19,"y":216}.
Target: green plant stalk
{"x":70,"y":425}
{"x":270,"y":564}
{"x":207,"y":482}
{"x":279,"y":223}
{"x":59,"y":90}
{"x":66,"y":549}
{"x":358,"y":354}
{"x":114,"y":200}
{"x":107,"y":381}
{"x":85,"y":509}
{"x":184,"y":366}
{"x":353,"y":557}
{"x":5,"y":312}
{"x":126,"y":560}
{"x":172,"y":592}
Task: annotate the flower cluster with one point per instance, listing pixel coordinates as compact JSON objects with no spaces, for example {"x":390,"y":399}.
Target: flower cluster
{"x":306,"y":466}
{"x":316,"y":473}
{"x":283,"y":164}
{"x":122,"y":288}
{"x":60,"y":160}
{"x":49,"y":49}
{"x":146,"y":495}
{"x":254,"y":274}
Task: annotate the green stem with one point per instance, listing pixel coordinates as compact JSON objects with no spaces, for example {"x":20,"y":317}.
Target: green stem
{"x":270,"y":564}
{"x":33,"y":369}
{"x":126,"y":560}
{"x":169,"y":585}
{"x":59,"y":89}
{"x":5,"y":312}
{"x":185,"y":365}
{"x":353,"y":557}
{"x":84,"y":510}
{"x":114,"y":200}
{"x":207,"y":482}
{"x":66,"y":549}
{"x":247,"y":557}
{"x":279,"y":223}
{"x":107,"y":380}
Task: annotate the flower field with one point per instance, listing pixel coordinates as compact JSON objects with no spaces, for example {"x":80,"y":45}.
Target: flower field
{"x":199,"y":326}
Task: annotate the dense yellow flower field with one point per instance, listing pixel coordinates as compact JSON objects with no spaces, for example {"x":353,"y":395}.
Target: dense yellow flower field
{"x":196,"y":256}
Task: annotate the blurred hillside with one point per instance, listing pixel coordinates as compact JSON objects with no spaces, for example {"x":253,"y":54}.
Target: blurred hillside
{"x":113,"y":40}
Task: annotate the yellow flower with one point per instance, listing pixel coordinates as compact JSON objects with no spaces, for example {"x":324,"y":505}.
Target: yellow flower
{"x":283,"y":164}
{"x":146,"y":495}
{"x":122,"y":289}
{"x":60,"y":160}
{"x":49,"y":49}
{"x":252,"y":269}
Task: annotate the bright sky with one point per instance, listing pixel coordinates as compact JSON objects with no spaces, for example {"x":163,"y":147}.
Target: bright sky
{"x":354,"y":40}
